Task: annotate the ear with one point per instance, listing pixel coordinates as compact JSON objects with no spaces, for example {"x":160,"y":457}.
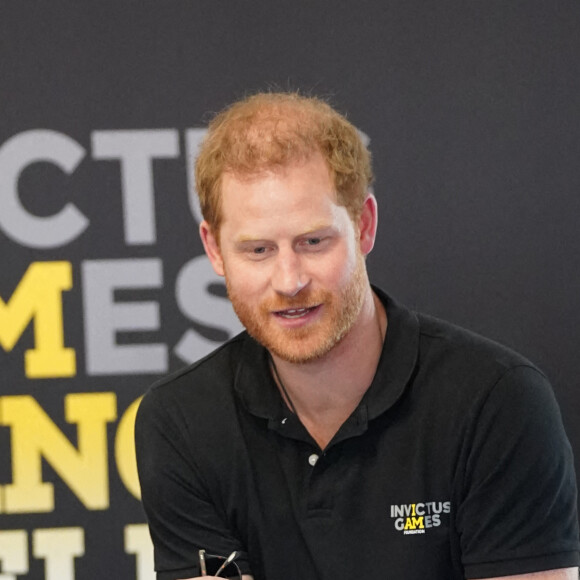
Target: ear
{"x":212,"y":248}
{"x":367,"y":224}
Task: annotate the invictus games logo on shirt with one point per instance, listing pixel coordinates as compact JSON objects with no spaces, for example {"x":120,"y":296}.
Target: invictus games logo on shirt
{"x":416,"y":518}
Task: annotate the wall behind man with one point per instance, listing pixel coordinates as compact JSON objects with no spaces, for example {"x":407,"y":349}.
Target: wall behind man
{"x":472,"y":111}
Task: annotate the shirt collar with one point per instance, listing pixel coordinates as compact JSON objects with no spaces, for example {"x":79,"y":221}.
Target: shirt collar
{"x":259,"y":394}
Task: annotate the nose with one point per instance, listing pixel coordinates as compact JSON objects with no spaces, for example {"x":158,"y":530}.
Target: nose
{"x":289,"y":277}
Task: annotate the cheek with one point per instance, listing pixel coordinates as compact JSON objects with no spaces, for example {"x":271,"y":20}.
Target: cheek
{"x":338,"y":271}
{"x":246,"y":282}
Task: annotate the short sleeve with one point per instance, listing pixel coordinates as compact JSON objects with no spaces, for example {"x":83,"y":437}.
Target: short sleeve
{"x":517,"y":511}
{"x":182,"y":515}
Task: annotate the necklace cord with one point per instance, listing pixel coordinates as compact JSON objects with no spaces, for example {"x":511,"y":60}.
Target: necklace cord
{"x":279,"y":380}
{"x":283,"y":387}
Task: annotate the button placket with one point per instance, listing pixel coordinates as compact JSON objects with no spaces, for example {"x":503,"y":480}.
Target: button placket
{"x":321,"y":485}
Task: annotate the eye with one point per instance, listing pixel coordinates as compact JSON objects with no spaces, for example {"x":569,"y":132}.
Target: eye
{"x":316,"y":244}
{"x":259,"y":252}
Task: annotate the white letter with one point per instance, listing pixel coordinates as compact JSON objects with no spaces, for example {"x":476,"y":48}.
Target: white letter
{"x":13,"y":553}
{"x":58,"y":548}
{"x":138,"y":542}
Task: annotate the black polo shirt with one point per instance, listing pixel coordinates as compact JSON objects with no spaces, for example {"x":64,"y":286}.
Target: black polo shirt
{"x":454,"y":465}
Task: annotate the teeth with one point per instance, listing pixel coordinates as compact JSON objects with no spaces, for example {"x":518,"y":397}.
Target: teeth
{"x":294,"y":312}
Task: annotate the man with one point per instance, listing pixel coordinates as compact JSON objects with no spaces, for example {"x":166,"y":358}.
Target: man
{"x":343,"y":436}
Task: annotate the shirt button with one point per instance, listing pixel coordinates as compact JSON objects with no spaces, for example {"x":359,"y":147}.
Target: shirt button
{"x":313,"y":459}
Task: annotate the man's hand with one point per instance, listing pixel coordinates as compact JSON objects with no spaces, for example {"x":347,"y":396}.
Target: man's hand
{"x":244,"y":577}
{"x":561,"y":574}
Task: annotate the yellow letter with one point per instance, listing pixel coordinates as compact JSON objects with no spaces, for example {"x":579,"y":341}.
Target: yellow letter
{"x":414,"y":523}
{"x":125,"y":450}
{"x":38,"y":296}
{"x":418,"y":523}
{"x":34,"y":436}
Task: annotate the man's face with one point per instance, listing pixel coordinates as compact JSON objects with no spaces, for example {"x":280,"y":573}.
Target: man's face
{"x":291,"y":259}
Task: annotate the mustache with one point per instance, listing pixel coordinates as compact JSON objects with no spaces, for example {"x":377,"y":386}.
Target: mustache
{"x":300,"y":301}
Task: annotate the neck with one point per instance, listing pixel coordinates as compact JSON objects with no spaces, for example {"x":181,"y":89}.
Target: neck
{"x":324,"y":392}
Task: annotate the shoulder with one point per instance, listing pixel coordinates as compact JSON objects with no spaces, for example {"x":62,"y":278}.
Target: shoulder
{"x":439,"y":346}
{"x":198,"y":389}
{"x":450,"y":338}
{"x":465,"y":373}
{"x":218,"y":365}
{"x":468,"y":354}
{"x":445,"y":369}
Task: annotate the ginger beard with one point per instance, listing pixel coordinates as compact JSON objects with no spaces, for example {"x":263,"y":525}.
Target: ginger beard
{"x":312,"y":341}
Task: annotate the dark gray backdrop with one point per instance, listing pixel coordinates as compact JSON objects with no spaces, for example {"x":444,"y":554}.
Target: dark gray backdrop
{"x":472,"y":109}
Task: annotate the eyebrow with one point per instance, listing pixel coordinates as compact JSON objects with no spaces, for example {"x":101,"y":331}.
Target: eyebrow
{"x":319,"y":227}
{"x":247,"y":240}
{"x":314,"y":229}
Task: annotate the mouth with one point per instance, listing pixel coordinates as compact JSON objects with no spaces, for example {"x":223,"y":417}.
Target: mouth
{"x":292,"y":313}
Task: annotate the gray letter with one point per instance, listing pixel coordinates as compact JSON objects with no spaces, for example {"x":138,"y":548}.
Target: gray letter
{"x":193,"y":139}
{"x":136,"y":150}
{"x":195,"y":301}
{"x":18,"y":224}
{"x":104,"y":317}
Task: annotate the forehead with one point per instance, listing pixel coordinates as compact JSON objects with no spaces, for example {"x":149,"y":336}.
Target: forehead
{"x":301,"y":194}
{"x":291,"y":182}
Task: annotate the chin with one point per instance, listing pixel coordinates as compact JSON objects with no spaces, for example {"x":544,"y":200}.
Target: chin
{"x":303,"y":350}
